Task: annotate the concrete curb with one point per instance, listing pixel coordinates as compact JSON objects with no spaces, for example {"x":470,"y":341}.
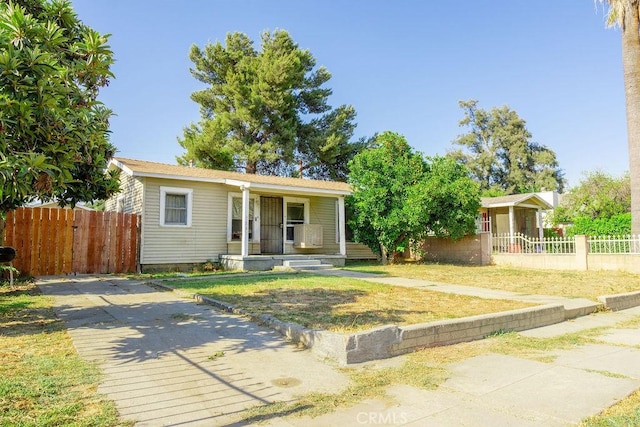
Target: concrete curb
{"x":391,"y":340}
{"x":621,"y":301}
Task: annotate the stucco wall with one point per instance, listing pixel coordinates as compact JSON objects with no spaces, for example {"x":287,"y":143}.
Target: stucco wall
{"x":468,"y":250}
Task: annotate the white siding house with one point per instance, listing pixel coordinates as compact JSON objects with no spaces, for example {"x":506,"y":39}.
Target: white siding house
{"x":193,"y":215}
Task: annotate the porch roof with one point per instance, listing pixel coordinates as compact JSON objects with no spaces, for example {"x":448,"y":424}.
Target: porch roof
{"x":261,"y":182}
{"x":531,"y":200}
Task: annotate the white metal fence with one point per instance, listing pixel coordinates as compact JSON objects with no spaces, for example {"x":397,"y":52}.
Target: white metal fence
{"x":614,"y":244}
{"x":520,"y":243}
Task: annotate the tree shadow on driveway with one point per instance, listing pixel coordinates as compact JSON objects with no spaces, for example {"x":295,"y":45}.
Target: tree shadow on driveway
{"x":169,"y":360}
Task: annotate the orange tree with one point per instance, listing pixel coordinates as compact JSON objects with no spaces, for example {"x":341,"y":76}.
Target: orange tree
{"x":399,"y":197}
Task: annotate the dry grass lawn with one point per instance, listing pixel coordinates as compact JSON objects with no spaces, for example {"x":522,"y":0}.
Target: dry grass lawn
{"x":43,"y":381}
{"x":338,"y":303}
{"x":573,"y":284}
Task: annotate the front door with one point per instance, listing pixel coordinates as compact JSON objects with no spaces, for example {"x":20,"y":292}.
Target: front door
{"x":270,"y":225}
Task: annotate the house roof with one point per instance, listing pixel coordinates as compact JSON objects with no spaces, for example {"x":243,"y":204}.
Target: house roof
{"x":264,"y":182}
{"x":526,"y":200}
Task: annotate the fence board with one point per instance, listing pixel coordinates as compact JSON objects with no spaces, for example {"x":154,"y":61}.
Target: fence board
{"x":111,"y":259}
{"x":45,"y":253}
{"x":80,"y":242}
{"x":25,"y":220}
{"x":119,"y":246}
{"x":52,"y":241}
{"x":36,"y":231}
{"x":130,"y":235}
{"x":67,"y":253}
{"x":94,"y":244}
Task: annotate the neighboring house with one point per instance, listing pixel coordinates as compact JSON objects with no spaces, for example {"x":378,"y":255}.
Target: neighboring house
{"x":252,"y":222}
{"x":517,"y":213}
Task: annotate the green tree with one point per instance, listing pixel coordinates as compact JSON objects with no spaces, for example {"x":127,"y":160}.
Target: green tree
{"x":399,"y":197}
{"x":626,"y":15}
{"x":597,"y":196}
{"x":500,"y":154}
{"x":53,"y":130}
{"x":266,"y":111}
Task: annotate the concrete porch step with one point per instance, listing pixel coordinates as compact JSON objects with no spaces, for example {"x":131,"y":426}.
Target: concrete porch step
{"x":298,"y":262}
{"x":303,"y":264}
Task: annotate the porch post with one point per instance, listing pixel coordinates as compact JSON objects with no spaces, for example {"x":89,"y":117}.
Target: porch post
{"x":512,"y":225}
{"x":244,"y":249}
{"x":540,"y":226}
{"x":342,"y":227}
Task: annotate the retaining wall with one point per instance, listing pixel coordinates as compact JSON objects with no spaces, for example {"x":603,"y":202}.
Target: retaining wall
{"x":621,"y":301}
{"x":391,"y":340}
{"x":474,"y":250}
{"x":540,"y":261}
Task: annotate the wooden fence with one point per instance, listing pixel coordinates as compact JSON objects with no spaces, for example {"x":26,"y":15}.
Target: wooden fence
{"x":51,"y":241}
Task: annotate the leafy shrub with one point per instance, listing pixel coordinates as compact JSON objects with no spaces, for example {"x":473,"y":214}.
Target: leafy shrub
{"x":617,"y":225}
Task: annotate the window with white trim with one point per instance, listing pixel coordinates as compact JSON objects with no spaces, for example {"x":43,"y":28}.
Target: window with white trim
{"x":175,"y":206}
{"x":296,"y":212}
{"x":234,"y":225}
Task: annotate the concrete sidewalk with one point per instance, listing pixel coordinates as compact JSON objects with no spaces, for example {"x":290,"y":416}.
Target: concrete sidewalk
{"x":498,"y":390}
{"x":169,"y":361}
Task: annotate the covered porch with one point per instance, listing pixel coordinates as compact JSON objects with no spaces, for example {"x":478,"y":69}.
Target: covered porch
{"x":271,"y":226}
{"x":514,"y":215}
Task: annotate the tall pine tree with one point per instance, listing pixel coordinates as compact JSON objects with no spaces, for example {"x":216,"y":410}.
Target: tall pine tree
{"x":267,"y":111}
{"x":499,"y":152}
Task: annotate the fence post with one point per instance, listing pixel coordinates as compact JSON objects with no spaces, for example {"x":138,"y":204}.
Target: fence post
{"x":485,"y":248}
{"x":582,"y":250}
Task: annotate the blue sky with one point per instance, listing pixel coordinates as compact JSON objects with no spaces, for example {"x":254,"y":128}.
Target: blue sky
{"x":403,"y":65}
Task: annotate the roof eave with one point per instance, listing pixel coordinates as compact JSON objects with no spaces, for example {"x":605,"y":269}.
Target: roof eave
{"x":236,"y":183}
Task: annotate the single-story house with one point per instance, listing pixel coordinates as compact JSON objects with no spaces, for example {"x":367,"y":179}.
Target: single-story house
{"x":253,"y":222}
{"x":517,"y":213}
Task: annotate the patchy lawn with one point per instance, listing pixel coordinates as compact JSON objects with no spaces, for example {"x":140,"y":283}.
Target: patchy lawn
{"x":43,"y":381}
{"x":624,"y":413}
{"x":338,"y":303}
{"x":573,"y":284}
{"x":425,"y":369}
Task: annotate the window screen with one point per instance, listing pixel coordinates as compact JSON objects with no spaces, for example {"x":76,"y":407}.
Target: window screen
{"x":295,"y":215}
{"x":236,"y":218}
{"x":175,"y":209}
